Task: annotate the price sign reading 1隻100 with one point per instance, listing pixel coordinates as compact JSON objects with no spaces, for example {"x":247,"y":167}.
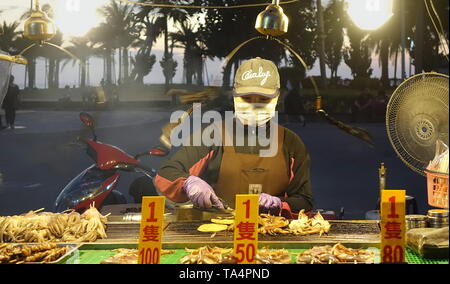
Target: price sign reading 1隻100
{"x":246,"y":228}
{"x":150,"y":235}
{"x":392,"y":226}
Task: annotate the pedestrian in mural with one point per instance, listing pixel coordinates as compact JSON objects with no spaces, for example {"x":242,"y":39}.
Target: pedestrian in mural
{"x":11,"y":103}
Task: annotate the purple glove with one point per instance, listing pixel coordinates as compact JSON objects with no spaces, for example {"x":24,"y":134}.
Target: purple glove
{"x":269,"y":203}
{"x":201,"y":193}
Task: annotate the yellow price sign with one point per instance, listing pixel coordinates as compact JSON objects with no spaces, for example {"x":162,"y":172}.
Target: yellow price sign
{"x":392,"y":226}
{"x":246,"y":228}
{"x":151,"y":230}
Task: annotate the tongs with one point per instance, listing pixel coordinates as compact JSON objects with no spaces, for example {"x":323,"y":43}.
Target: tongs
{"x":215,"y":209}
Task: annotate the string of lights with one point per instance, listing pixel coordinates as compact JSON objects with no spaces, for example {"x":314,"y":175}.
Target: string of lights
{"x":156,"y":5}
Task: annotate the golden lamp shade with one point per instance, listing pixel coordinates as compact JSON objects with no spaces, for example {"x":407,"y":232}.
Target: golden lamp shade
{"x":39,"y":27}
{"x":272,"y":21}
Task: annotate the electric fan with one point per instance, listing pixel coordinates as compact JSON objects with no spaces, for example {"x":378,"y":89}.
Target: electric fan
{"x":416,"y":117}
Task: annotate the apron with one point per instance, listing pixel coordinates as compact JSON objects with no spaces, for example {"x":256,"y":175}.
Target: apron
{"x":242,"y":173}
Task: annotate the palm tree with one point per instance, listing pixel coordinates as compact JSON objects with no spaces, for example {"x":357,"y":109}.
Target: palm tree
{"x":334,"y":32}
{"x":194,"y":48}
{"x":387,"y":43}
{"x":122,"y":20}
{"x":13,"y":42}
{"x":142,"y":65}
{"x":103,"y":39}
{"x":54,"y":58}
{"x":83,"y":50}
{"x":159,"y":18}
{"x":9,"y":36}
{"x":358,"y":56}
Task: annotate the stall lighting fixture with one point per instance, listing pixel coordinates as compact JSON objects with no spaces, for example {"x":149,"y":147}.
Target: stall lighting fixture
{"x":369,"y":14}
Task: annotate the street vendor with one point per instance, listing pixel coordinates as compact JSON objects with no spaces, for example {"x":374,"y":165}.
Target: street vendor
{"x":211,"y":176}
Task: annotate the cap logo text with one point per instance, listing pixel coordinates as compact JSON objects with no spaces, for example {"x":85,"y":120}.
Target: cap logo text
{"x":249,"y":74}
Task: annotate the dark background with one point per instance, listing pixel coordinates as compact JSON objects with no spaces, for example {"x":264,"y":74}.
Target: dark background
{"x":38,"y":161}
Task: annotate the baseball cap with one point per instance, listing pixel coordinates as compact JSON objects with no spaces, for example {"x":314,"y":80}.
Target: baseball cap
{"x":257,"y":76}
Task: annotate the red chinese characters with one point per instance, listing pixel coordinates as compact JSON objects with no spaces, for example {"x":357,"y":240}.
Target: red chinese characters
{"x":150,"y":233}
{"x":392,"y":226}
{"x":151,"y":229}
{"x":393,"y":230}
{"x":246,"y":231}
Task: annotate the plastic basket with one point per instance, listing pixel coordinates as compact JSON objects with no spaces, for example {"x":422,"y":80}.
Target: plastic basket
{"x":437,"y":184}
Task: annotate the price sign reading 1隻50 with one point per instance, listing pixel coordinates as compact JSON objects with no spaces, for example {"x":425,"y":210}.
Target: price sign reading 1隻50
{"x":150,"y":235}
{"x":246,"y":228}
{"x":392,"y":226}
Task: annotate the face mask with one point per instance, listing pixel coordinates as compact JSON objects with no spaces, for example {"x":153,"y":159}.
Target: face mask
{"x":254,"y":113}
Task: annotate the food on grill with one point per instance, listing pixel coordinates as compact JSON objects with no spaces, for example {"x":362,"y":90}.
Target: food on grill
{"x":205,"y":255}
{"x":336,"y":254}
{"x":216,"y":255}
{"x":307,"y":226}
{"x":212,"y":228}
{"x":223,"y":221}
{"x":53,"y":227}
{"x":275,"y":225}
{"x":272,"y":225}
{"x":122,"y":256}
{"x":127,"y":256}
{"x":47,"y":252}
{"x":272,"y":256}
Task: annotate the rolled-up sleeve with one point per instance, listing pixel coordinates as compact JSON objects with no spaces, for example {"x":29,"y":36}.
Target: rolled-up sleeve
{"x":188,"y":161}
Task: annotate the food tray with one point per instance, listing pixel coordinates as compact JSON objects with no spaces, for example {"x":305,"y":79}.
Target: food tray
{"x":68,"y":258}
{"x":94,"y":253}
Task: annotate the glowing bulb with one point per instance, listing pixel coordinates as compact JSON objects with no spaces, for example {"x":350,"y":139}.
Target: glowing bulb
{"x":77,"y":17}
{"x":369,"y":14}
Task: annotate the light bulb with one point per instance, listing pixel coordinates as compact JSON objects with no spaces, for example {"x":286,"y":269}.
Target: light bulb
{"x":369,"y":14}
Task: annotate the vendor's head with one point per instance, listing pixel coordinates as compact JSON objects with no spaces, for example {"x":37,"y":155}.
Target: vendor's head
{"x":256,"y":91}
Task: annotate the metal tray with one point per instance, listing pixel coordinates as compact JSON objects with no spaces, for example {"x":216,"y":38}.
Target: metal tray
{"x":94,"y":253}
{"x":68,"y":258}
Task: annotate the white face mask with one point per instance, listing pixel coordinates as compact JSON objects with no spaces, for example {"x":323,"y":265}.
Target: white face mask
{"x":254,"y":113}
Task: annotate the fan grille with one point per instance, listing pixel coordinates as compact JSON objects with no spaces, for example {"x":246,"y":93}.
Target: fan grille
{"x":417,"y":115}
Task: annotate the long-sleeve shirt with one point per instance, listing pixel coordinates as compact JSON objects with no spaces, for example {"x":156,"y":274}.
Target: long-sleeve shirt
{"x":205,"y":162}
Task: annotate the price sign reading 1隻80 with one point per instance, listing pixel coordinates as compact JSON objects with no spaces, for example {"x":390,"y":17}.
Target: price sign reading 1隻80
{"x":392,"y":226}
{"x":150,"y":235}
{"x":246,"y":228}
